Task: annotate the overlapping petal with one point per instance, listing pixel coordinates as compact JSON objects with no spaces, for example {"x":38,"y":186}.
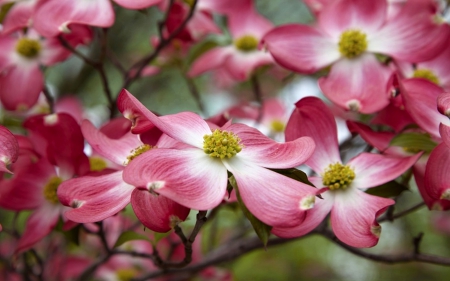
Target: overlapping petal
{"x":189,"y":177}
{"x":94,"y":197}
{"x":312,"y":118}
{"x":311,"y":48}
{"x":265,"y":152}
{"x":437,"y":176}
{"x":157,"y":212}
{"x":9,"y":149}
{"x":273,"y":198}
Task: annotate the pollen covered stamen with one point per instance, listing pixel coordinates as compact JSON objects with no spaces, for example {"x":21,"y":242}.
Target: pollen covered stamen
{"x":50,"y":189}
{"x":136,"y":152}
{"x":338,"y":176}
{"x":426,"y":74}
{"x":221,"y":144}
{"x":28,"y":48}
{"x":352,"y":43}
{"x":246,"y":43}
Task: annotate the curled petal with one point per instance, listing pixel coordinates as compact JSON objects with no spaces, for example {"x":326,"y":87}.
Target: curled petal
{"x":353,"y":217}
{"x":274,"y":199}
{"x":9,"y":149}
{"x":437,"y":176}
{"x":443,"y":102}
{"x":157,"y":212}
{"x":444,"y":130}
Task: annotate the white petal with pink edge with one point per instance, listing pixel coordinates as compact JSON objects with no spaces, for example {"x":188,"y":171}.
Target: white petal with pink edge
{"x":273,"y":198}
{"x":365,"y":15}
{"x":94,"y":197}
{"x":189,"y":177}
{"x":353,"y":217}
{"x":265,"y":152}
{"x":312,"y":118}
{"x":358,"y":84}
{"x":116,"y":150}
{"x":301,"y":48}
{"x":375,"y":169}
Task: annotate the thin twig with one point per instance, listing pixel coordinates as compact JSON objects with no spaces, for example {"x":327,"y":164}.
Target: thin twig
{"x":49,"y":98}
{"x":402,"y":213}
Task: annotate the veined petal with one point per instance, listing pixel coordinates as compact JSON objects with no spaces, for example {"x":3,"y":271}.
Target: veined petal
{"x":353,"y":217}
{"x":53,"y":17}
{"x":116,"y":150}
{"x":157,"y":212}
{"x":437,"y":177}
{"x":274,"y":199}
{"x":419,"y":96}
{"x":366,"y":15}
{"x":301,"y":48}
{"x":313,"y":218}
{"x":20,"y":87}
{"x":444,"y":130}
{"x":375,"y":169}
{"x":18,"y":16}
{"x":265,"y":152}
{"x":9,"y":150}
{"x":443,"y":102}
{"x":185,"y":127}
{"x":358,"y":84}
{"x":412,"y":35}
{"x":379,"y":140}
{"x":94,"y":197}
{"x":189,"y":177}
{"x":38,"y":225}
{"x":312,"y":118}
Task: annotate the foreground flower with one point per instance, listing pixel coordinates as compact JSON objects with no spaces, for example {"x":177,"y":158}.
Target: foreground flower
{"x":195,"y":173}
{"x":353,"y":212}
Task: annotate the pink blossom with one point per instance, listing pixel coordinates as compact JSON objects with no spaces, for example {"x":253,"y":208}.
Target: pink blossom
{"x":353,"y":212}
{"x":194,"y":174}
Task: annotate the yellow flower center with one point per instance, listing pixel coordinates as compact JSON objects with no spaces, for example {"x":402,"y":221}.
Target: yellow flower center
{"x":97,"y":163}
{"x":28,"y":48}
{"x":221,"y":144}
{"x":426,"y":74}
{"x":136,"y":152}
{"x":125,"y":274}
{"x":352,"y":43}
{"x":277,"y":126}
{"x":338,"y":176}
{"x":50,"y":189}
{"x":246,"y":43}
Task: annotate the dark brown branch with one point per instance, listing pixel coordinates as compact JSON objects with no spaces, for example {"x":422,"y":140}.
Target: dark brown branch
{"x":414,"y":256}
{"x":49,"y":98}
{"x":164,"y":41}
{"x":402,"y":213}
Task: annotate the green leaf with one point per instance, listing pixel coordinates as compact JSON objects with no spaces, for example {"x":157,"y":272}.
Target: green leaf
{"x":261,"y":229}
{"x":389,"y":189}
{"x":129,"y":236}
{"x":294,"y":174}
{"x":414,"y":142}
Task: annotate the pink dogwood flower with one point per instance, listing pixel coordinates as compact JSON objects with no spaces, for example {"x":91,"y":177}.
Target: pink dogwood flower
{"x":240,"y":59}
{"x":100,"y":195}
{"x":357,"y":80}
{"x":353,"y":212}
{"x":195,"y":175}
